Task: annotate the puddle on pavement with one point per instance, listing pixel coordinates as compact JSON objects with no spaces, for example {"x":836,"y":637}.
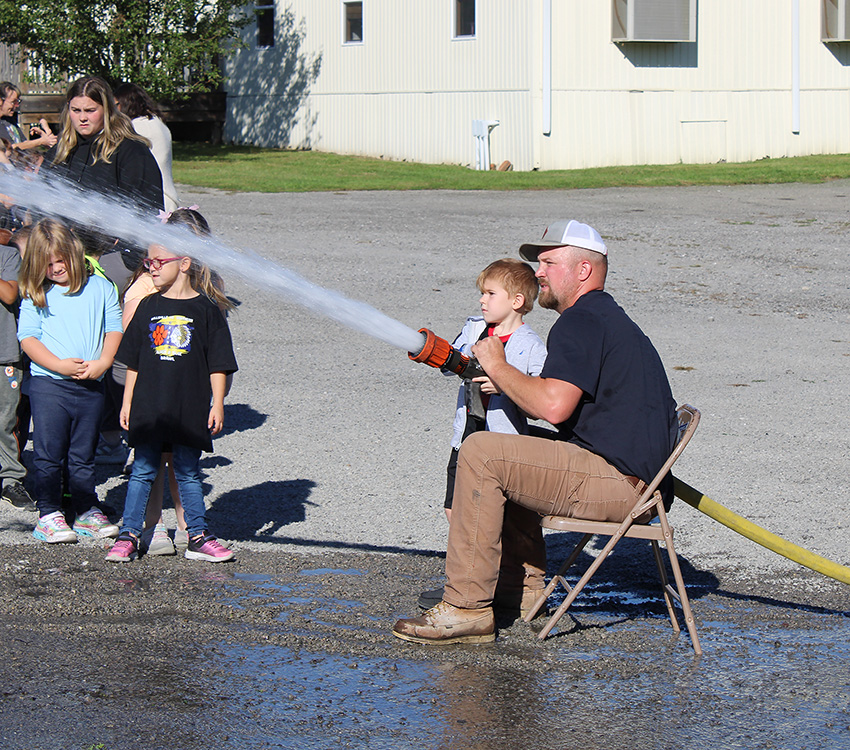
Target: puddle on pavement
{"x":332,"y":571}
{"x":265,"y":591}
{"x":771,"y":677}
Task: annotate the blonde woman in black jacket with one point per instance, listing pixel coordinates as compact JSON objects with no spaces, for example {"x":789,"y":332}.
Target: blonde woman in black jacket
{"x":98,"y":148}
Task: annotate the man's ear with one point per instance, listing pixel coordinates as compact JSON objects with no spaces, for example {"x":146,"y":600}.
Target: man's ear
{"x":585,"y":270}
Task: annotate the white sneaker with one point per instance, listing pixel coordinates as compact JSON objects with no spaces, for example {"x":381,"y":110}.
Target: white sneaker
{"x":94,"y":523}
{"x":181,"y":540}
{"x":53,"y":529}
{"x":155,"y":541}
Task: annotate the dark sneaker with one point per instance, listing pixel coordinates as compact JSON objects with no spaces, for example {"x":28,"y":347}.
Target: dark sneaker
{"x":445,"y":624}
{"x":206,"y":547}
{"x":111,"y":455}
{"x":124,"y":549}
{"x":16,"y":494}
{"x":432,"y":598}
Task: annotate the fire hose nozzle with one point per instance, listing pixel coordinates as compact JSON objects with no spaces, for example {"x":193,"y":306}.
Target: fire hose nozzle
{"x":439,"y":353}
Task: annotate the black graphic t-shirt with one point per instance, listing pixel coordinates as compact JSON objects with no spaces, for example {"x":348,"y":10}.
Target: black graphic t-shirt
{"x":174,"y":345}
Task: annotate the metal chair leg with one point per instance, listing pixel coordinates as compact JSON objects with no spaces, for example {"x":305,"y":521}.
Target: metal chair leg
{"x":683,"y":596}
{"x":583,"y":580}
{"x":558,"y":578}
{"x":665,"y":585}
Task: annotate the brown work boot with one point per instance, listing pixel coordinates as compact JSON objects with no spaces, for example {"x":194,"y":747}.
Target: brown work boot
{"x":445,"y":623}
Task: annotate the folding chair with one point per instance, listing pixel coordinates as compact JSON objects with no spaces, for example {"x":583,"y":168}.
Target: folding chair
{"x":650,"y":500}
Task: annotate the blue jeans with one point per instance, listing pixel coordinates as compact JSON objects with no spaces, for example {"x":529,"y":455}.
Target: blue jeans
{"x":66,"y":424}
{"x":187,"y":470}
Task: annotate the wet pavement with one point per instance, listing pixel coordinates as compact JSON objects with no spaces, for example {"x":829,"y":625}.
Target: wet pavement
{"x":294,"y":651}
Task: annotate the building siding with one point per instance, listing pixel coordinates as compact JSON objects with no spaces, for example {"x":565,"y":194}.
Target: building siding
{"x":410,"y":91}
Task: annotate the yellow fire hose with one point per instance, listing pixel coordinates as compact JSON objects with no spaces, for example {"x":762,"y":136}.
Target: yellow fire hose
{"x":761,"y":536}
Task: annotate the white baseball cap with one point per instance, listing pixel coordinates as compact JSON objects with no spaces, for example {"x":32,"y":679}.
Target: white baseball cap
{"x":561,"y":233}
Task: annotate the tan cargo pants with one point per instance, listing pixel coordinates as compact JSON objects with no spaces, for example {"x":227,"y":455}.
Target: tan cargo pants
{"x":505,"y":483}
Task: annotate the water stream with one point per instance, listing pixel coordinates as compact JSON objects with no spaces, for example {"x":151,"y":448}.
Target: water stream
{"x":118,"y":219}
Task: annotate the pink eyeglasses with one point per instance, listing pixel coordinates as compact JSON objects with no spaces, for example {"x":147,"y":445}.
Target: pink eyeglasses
{"x":157,"y":263}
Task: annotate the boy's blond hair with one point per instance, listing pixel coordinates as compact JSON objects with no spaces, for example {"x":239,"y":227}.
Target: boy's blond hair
{"x":51,"y":237}
{"x":516,"y":277}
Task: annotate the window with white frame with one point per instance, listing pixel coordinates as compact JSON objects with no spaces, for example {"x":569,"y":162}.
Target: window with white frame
{"x":264,"y":10}
{"x":464,"y":18}
{"x":352,"y":20}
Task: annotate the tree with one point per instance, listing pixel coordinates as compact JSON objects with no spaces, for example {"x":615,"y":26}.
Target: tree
{"x":169,"y":47}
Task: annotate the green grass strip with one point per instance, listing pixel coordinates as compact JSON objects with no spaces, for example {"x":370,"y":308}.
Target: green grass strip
{"x":246,"y":168}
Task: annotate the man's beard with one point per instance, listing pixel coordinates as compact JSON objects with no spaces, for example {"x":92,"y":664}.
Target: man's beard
{"x":548,"y":300}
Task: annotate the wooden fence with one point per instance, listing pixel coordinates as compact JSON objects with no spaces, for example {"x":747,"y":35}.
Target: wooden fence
{"x":200,"y":117}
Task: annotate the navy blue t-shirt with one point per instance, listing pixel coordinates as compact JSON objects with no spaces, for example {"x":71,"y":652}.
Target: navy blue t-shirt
{"x":627,"y":413}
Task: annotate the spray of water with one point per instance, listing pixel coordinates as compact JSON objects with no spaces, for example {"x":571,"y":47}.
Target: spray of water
{"x":117,"y":219}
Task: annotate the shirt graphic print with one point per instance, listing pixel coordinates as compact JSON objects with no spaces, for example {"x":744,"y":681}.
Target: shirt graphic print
{"x":171,"y":336}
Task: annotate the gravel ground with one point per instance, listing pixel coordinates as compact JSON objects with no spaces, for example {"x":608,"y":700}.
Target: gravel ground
{"x":337,"y":440}
{"x":335,"y":446}
{"x":744,"y":291}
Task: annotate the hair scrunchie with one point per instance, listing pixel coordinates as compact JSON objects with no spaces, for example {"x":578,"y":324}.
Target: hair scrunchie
{"x":164,"y":216}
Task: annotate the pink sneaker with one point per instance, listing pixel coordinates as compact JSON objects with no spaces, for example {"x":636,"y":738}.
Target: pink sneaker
{"x":124,"y":549}
{"x":207,"y":547}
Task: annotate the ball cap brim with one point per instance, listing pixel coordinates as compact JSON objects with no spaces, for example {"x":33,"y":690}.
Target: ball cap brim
{"x":562,"y":233}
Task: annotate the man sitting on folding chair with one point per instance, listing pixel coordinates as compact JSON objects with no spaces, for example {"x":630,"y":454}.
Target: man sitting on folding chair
{"x":604,"y":387}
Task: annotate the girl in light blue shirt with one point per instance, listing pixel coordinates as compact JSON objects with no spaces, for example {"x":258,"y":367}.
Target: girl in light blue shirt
{"x":70,"y":327}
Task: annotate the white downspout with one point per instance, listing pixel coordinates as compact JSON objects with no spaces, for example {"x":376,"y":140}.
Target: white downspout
{"x":795,"y":67}
{"x":547,"y":67}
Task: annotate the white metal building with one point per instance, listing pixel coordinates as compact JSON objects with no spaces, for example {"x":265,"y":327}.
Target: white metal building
{"x":571,"y":83}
